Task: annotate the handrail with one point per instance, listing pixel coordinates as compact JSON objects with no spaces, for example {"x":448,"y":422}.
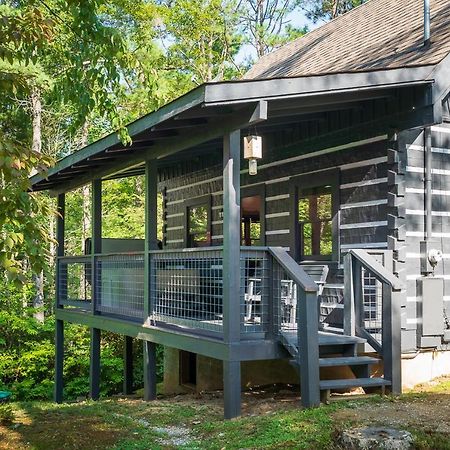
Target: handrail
{"x":377,"y":269}
{"x":293,"y":269}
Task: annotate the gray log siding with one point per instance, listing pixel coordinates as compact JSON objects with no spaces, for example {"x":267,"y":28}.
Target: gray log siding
{"x":415,"y":217}
{"x":363,"y":202}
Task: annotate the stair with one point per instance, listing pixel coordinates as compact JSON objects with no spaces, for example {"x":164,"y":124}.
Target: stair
{"x":338,"y":351}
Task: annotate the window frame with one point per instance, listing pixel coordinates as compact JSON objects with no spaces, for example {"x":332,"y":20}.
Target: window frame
{"x":204,"y":200}
{"x":303,"y":183}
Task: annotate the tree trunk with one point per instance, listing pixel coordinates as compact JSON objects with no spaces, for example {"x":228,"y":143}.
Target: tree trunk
{"x":335,"y":11}
{"x":36,"y":146}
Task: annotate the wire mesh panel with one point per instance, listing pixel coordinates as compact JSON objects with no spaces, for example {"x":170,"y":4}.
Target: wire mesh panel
{"x":120,"y":280}
{"x":187,"y":288}
{"x":74,"y":288}
{"x":372,"y":304}
{"x":255,"y":293}
{"x":284,"y":299}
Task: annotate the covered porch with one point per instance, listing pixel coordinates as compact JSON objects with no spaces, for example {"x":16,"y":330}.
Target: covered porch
{"x":229,"y":301}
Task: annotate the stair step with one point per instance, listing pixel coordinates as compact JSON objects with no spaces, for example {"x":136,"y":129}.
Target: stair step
{"x":347,"y":361}
{"x":353,"y":382}
{"x":342,"y":361}
{"x":325,"y":339}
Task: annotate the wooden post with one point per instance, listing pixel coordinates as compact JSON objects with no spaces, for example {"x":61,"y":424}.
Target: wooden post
{"x":59,"y":326}
{"x":149,"y":371}
{"x":94,"y":367}
{"x":308,"y":346}
{"x":358,"y":294}
{"x":391,"y":338}
{"x":96,"y":248}
{"x":349,"y":301}
{"x":128,"y":365}
{"x":151,"y":243}
{"x":231,"y":269}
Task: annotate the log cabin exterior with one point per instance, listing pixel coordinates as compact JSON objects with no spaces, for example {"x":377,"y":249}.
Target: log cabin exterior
{"x":322,"y":257}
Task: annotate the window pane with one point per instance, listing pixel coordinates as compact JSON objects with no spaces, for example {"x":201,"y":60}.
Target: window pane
{"x":303,"y":209}
{"x":326,"y":238}
{"x":307,"y":239}
{"x":198,"y":225}
{"x":324,"y":206}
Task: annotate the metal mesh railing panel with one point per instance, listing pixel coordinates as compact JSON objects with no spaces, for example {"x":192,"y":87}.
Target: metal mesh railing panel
{"x":74,"y":287}
{"x":284,"y":300}
{"x":120,"y":284}
{"x":187,"y":288}
{"x":372,"y":314}
{"x":255,"y":273}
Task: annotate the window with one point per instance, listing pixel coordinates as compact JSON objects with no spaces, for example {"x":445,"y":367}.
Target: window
{"x":251,"y":221}
{"x":198,"y":235}
{"x":315,"y":215}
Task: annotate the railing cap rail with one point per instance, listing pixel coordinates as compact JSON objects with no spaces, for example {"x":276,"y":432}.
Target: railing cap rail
{"x":293,"y":269}
{"x":376,"y":268}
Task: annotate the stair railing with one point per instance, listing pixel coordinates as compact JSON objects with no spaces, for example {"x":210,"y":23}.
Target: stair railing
{"x":307,"y":320}
{"x":358,"y":262}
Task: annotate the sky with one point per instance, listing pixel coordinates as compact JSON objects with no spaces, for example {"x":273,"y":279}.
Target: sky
{"x":297,"y":19}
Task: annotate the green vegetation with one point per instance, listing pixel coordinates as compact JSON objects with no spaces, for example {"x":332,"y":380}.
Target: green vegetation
{"x":271,"y":421}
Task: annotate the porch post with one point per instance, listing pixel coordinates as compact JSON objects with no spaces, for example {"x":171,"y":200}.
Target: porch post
{"x":231,"y":270}
{"x":96,"y":247}
{"x":59,"y":330}
{"x":151,"y":243}
{"x":128,"y":365}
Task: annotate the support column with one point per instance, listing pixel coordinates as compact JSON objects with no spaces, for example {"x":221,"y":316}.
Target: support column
{"x":151,"y":243}
{"x":149,"y":371}
{"x":94,"y":367}
{"x":231,"y":269}
{"x":59,"y":326}
{"x":96,"y":247}
{"x":128,"y":365}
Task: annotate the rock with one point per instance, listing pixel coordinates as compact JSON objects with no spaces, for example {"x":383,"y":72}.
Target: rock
{"x":376,"y":439}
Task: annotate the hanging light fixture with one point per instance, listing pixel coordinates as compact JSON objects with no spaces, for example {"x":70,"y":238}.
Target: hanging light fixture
{"x":253,"y":152}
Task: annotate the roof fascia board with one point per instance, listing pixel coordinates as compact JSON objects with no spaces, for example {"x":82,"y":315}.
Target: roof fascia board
{"x":441,"y":87}
{"x":237,"y":92}
{"x":187,"y":101}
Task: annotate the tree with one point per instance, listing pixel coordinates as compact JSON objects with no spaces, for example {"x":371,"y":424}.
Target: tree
{"x":325,"y":10}
{"x":266,"y":23}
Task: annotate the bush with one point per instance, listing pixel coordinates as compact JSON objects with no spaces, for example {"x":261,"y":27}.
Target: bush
{"x":27,"y":356}
{"x":6,"y":414}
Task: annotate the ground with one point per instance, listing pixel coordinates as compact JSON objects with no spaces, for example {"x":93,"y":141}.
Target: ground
{"x":271,"y":419}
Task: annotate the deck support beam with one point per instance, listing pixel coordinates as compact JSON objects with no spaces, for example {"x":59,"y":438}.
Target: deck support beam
{"x":94,"y":367}
{"x":96,"y":248}
{"x":308,"y":344}
{"x":231,"y":268}
{"x":59,"y":325}
{"x":128,"y":381}
{"x":151,"y":243}
{"x":149,"y":371}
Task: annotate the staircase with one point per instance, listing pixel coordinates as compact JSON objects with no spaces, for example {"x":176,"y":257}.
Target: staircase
{"x":338,"y":351}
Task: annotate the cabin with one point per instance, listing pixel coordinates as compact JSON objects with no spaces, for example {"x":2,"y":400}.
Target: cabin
{"x":306,"y":217}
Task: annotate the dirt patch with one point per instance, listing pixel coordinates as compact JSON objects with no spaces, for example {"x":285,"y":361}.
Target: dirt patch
{"x":53,"y":431}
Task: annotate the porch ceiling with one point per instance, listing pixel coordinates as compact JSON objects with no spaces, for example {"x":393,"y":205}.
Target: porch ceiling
{"x":196,"y":121}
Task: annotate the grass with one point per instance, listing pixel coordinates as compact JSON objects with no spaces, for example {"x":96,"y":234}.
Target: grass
{"x":195,"y":422}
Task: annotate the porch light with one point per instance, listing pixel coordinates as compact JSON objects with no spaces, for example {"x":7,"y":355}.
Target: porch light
{"x":252,"y":152}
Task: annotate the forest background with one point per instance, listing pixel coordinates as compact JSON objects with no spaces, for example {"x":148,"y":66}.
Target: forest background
{"x":72,"y":71}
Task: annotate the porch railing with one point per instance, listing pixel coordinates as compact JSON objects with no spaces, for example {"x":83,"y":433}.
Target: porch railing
{"x":372,"y":306}
{"x":186,"y":287}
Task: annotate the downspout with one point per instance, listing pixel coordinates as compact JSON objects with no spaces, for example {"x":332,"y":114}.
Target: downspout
{"x":426,"y":22}
{"x":428,"y":184}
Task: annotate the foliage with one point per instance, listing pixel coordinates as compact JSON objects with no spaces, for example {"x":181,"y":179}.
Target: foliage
{"x":324,"y":10}
{"x":7,"y":414}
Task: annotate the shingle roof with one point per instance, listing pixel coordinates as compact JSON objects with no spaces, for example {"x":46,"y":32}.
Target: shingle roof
{"x":380,"y":34}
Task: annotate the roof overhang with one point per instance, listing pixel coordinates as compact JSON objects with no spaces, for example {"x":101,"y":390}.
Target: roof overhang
{"x":213,"y":109}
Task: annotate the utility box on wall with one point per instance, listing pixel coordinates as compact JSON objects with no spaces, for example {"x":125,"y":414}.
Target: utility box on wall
{"x":430,"y":291}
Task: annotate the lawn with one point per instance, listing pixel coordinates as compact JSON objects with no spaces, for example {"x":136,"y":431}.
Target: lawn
{"x":270,"y":420}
